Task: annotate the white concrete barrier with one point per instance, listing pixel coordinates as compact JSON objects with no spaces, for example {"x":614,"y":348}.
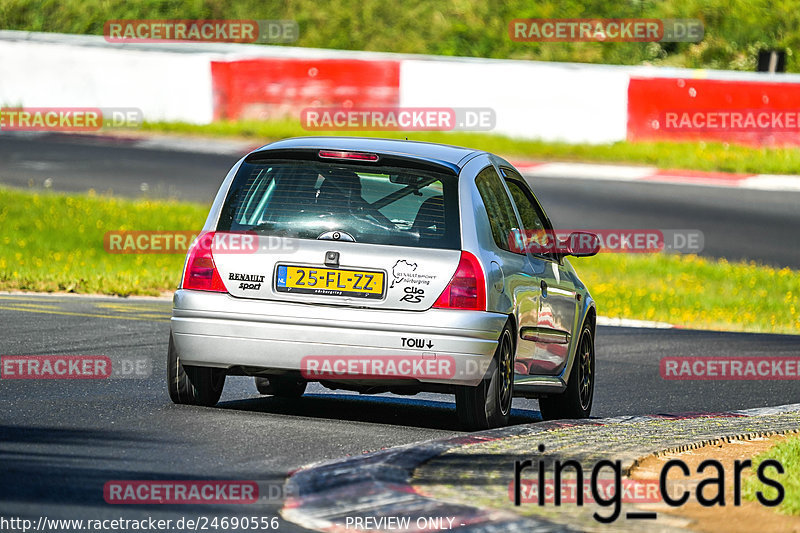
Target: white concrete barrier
{"x":534,"y":100}
{"x":167,"y":86}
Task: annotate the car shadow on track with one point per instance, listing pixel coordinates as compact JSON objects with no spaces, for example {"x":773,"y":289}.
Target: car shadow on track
{"x":398,"y":411}
{"x":59,"y":470}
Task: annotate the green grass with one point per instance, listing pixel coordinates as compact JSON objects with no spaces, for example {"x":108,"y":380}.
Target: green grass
{"x":691,"y":291}
{"x":734,"y":29}
{"x":788,"y":454}
{"x":54,"y":242}
{"x":694,"y":156}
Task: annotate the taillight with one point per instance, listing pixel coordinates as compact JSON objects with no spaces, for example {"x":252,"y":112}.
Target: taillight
{"x":201,"y":272}
{"x":467,"y":289}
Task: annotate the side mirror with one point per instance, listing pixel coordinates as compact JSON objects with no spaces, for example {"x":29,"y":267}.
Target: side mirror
{"x":581,"y":244}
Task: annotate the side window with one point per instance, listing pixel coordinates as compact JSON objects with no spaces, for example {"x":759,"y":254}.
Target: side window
{"x":537,"y":233}
{"x":531,"y":220}
{"x":498,"y":207}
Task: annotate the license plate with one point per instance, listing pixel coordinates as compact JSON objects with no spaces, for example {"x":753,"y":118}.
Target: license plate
{"x":329,"y":281}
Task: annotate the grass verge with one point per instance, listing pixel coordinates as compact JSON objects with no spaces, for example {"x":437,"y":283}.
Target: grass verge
{"x":721,"y":157}
{"x":54,"y":242}
{"x":693,"y":291}
{"x":788,"y":454}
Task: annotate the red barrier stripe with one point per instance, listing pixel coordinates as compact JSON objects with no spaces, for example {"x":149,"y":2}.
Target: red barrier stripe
{"x":650,"y":98}
{"x":275,"y":88}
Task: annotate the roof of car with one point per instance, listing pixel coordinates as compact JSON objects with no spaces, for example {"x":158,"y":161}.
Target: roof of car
{"x":442,"y":153}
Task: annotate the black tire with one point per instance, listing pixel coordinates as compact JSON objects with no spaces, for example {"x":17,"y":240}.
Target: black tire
{"x":281,"y":386}
{"x":576,"y":400}
{"x":192,"y":385}
{"x":488,"y":405}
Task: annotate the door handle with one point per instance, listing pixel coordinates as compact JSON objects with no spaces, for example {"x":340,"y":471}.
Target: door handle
{"x":544,"y":288}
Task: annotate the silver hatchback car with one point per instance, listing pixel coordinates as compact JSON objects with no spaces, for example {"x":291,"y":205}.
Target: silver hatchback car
{"x":378,"y":266}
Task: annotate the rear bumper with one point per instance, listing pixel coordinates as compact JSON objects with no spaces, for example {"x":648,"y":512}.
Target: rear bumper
{"x":214,"y":329}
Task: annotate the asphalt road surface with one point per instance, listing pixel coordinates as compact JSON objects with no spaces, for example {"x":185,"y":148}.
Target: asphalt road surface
{"x":62,"y":440}
{"x":736,"y":224}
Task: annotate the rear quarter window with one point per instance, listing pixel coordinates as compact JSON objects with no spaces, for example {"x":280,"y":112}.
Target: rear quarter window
{"x":499,"y":208}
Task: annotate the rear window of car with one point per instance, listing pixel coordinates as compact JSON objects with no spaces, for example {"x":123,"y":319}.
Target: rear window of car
{"x":374,"y":204}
